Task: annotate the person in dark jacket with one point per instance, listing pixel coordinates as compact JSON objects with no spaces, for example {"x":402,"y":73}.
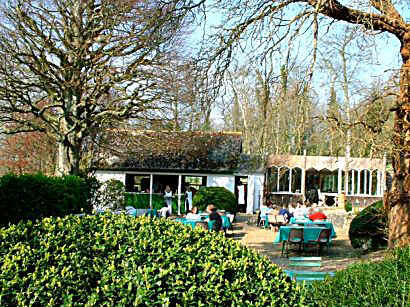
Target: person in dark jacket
{"x":214,"y":216}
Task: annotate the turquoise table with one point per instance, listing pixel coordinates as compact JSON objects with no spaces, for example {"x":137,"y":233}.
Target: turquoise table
{"x":309,"y":233}
{"x":226,"y":224}
{"x":308,"y":222}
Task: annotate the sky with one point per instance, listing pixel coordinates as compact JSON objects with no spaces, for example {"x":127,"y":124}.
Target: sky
{"x":385,"y":55}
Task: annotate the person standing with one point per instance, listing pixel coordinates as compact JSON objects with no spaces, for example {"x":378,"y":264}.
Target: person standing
{"x":168,"y":198}
{"x":188,"y":199}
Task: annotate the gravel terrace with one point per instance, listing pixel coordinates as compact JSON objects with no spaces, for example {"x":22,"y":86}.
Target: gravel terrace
{"x":341,"y":254}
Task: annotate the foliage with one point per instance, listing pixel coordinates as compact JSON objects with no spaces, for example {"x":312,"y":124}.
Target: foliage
{"x":30,"y":197}
{"x":28,"y":153}
{"x":386,"y":283}
{"x":118,"y":260}
{"x":369,"y":228}
{"x":348,"y":206}
{"x":111,"y":195}
{"x":222,"y":198}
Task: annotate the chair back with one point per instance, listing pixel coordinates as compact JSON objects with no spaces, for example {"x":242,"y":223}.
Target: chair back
{"x":296,"y":235}
{"x":271,"y":218}
{"x":324,"y":236}
{"x":280,"y":219}
{"x":320,"y":225}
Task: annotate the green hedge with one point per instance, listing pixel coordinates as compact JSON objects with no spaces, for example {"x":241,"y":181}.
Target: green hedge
{"x":222,"y":198}
{"x":118,"y":260}
{"x":141,"y":201}
{"x":369,"y":228}
{"x":386,"y":283}
{"x":29,"y":197}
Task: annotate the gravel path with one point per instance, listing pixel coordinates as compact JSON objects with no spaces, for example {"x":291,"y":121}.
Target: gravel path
{"x":341,"y":254}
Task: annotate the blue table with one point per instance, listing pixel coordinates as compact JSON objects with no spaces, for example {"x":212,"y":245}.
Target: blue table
{"x":226,"y":223}
{"x":308,"y":222}
{"x":309,"y":233}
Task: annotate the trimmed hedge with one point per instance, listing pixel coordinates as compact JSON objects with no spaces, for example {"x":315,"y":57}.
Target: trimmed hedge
{"x":118,"y":260}
{"x":30,"y":197}
{"x":369,"y":228}
{"x":222,"y":198}
{"x":386,"y":283}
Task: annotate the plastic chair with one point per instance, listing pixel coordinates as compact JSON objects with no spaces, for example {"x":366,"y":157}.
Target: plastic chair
{"x":152,"y":213}
{"x":323,"y":239}
{"x":296,"y":238}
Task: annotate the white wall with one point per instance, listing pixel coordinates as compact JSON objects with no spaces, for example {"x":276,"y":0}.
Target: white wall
{"x":227,"y":182}
{"x":103,"y":176}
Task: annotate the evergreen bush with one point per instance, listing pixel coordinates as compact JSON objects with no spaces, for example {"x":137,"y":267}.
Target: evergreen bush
{"x":222,"y":198}
{"x":386,"y":283}
{"x":348,"y":206}
{"x":368,"y":229}
{"x":118,"y":260}
{"x":30,"y":197}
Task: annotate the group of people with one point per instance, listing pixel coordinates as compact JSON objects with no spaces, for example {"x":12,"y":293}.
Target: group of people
{"x":213,"y":216}
{"x":296,"y":210}
{"x":168,"y":197}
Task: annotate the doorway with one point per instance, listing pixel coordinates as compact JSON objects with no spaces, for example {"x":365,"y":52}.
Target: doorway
{"x":241,"y":192}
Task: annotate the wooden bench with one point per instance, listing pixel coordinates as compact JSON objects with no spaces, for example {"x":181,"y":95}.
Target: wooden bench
{"x":303,"y":275}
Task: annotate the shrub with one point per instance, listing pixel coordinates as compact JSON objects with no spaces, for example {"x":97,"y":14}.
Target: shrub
{"x":369,"y":228}
{"x":111,"y":195}
{"x":386,"y":283}
{"x":222,"y":198}
{"x":118,"y":260}
{"x":29,"y":197}
{"x":348,"y":206}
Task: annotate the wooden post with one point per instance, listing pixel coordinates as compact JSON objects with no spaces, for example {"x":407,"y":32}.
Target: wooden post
{"x":151,"y":179}
{"x":179,"y":194}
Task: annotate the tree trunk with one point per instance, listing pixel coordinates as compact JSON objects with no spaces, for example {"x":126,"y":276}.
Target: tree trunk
{"x":68,"y":159}
{"x":398,"y":200}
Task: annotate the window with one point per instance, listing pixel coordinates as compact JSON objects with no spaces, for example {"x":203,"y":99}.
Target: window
{"x":296,"y":180}
{"x":329,"y":182}
{"x":195,"y":181}
{"x":273,"y":179}
{"x":284,"y":173}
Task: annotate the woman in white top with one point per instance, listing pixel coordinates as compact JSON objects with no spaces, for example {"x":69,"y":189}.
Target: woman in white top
{"x":168,"y":198}
{"x":193,"y":215}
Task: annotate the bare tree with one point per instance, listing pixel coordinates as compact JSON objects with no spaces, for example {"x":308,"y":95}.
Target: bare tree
{"x":69,"y":66}
{"x":250,"y":25}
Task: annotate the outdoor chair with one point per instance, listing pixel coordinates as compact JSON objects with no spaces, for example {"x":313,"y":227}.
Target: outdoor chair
{"x":323,"y":239}
{"x":276,"y":220}
{"x":295,"y":238}
{"x":203,"y":225}
{"x":306,"y":276}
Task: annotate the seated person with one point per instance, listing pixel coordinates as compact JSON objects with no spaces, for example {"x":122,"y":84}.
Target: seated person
{"x":286,"y":214}
{"x":164,"y":212}
{"x":214,"y":216}
{"x":318,"y":216}
{"x":300,"y":211}
{"x":193,"y":214}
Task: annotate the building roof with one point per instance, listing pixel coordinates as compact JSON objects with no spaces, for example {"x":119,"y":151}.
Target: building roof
{"x":137,"y":150}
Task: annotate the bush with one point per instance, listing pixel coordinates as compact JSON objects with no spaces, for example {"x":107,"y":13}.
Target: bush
{"x":29,"y":197}
{"x":222,"y":198}
{"x":112,"y":195}
{"x":386,"y":283}
{"x":369,"y":228}
{"x":348,"y":206}
{"x":118,"y":260}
